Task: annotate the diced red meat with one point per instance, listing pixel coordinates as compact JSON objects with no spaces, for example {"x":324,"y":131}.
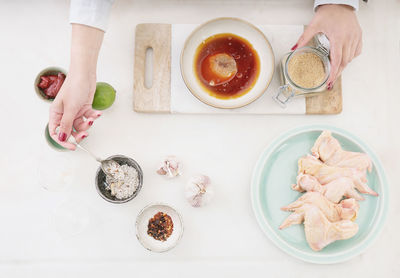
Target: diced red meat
{"x":51,"y":84}
{"x":44,"y":82}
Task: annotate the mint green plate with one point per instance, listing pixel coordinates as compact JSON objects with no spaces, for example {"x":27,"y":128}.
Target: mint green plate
{"x":276,"y":170}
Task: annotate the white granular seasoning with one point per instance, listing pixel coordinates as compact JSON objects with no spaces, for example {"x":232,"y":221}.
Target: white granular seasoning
{"x":124,"y":183}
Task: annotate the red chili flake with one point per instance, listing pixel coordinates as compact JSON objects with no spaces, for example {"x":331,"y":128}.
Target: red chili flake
{"x":160,"y":227}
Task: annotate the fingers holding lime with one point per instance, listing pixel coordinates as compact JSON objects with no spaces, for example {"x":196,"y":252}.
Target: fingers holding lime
{"x":104,"y":96}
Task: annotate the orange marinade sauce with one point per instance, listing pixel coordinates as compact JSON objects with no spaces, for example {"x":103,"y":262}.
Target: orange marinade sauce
{"x":247,"y":63}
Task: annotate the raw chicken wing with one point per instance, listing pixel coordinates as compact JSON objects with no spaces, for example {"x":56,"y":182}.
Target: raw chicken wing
{"x":334,"y":191}
{"x":320,"y":231}
{"x":325,"y":174}
{"x":328,"y":149}
{"x":346,"y":209}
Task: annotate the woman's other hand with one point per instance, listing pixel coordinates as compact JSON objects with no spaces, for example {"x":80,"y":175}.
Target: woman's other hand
{"x":339,"y":23}
{"x":72,"y":108}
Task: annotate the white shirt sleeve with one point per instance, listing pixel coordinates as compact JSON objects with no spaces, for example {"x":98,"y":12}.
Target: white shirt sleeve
{"x":93,"y":13}
{"x":352,"y":3}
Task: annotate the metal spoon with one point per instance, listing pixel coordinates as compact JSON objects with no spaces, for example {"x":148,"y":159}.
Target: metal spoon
{"x":106,"y":164}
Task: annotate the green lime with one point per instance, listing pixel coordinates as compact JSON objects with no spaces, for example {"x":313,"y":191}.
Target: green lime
{"x":104,"y":96}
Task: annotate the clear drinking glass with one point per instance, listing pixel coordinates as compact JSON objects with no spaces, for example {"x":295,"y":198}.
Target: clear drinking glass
{"x":71,"y":218}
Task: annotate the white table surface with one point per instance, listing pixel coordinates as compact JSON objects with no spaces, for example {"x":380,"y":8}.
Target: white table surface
{"x":221,"y":239}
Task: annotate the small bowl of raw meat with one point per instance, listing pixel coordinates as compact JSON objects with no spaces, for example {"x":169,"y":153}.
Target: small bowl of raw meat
{"x":48,"y":82}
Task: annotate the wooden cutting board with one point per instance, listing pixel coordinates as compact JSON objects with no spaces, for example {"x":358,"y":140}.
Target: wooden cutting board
{"x":157,"y":98}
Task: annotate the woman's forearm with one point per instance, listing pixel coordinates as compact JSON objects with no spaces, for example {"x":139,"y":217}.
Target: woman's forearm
{"x":72,"y":107}
{"x":85,"y":46}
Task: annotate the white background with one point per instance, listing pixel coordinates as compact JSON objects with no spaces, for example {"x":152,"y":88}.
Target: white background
{"x":222,"y":239}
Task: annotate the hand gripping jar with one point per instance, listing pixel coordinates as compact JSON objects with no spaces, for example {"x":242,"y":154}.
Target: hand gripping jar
{"x":290,"y":88}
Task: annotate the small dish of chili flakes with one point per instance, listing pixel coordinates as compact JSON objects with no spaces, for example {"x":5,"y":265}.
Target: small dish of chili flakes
{"x":159,"y":227}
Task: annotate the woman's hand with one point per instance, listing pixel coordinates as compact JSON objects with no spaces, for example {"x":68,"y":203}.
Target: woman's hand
{"x":72,"y":108}
{"x":339,"y":23}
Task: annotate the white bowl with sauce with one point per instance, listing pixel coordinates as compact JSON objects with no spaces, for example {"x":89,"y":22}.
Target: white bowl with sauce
{"x":239,"y":29}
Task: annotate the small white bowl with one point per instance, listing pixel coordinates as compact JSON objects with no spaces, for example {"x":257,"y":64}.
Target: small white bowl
{"x":242,"y":29}
{"x":149,"y":242}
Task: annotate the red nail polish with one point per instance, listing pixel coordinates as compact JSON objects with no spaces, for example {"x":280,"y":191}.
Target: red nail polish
{"x":84,"y":136}
{"x":62,"y":136}
{"x":98,"y":115}
{"x":329,"y":87}
{"x":294,"y":47}
{"x":90,"y":123}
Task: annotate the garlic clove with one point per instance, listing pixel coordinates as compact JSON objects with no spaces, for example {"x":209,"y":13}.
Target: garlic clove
{"x":198,"y":191}
{"x":161,"y":172}
{"x":170,"y":167}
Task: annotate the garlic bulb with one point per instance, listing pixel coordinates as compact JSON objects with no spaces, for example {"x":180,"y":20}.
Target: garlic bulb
{"x":199,"y":191}
{"x":170,"y":167}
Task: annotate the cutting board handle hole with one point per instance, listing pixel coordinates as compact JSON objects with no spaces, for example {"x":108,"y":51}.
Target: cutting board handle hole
{"x":148,"y":68}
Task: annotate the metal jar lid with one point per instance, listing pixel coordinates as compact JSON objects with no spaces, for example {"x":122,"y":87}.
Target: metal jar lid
{"x":322,"y":43}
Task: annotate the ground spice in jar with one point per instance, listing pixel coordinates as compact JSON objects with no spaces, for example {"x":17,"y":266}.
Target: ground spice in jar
{"x":306,"y":70}
{"x":160,"y":227}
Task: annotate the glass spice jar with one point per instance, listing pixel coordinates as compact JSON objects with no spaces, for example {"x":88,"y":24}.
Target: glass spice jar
{"x":289,"y":88}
